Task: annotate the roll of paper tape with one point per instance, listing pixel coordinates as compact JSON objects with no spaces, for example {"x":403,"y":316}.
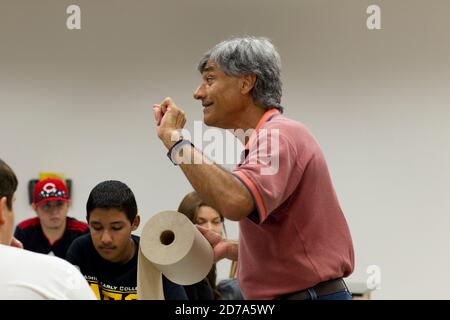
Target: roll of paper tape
{"x":171,"y":245}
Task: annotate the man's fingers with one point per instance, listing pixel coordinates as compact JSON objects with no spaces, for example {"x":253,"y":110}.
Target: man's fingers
{"x":220,"y":247}
{"x":157,"y":114}
{"x":181,"y":119}
{"x":203,"y":230}
{"x":220,"y":251}
{"x":167,"y":102}
{"x":212,"y":237}
{"x":164,"y":109}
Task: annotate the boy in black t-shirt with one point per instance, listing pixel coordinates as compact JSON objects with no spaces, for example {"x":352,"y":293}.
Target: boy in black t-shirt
{"x":107,"y":257}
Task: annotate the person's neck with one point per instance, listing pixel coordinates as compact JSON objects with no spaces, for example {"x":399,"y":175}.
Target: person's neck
{"x":132,"y":250}
{"x":249,"y":119}
{"x":3,"y":237}
{"x":54,"y":234}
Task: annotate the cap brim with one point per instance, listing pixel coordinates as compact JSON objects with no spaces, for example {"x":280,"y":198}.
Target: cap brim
{"x":51,"y":199}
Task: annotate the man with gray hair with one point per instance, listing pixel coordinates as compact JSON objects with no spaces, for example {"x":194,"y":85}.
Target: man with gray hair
{"x":294,"y":240}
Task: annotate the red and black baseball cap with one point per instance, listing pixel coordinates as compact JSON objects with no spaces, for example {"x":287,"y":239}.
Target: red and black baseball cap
{"x":50,"y":189}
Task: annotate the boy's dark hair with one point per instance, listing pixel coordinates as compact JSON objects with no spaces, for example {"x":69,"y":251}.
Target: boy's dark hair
{"x":8,"y":183}
{"x":112,"y":194}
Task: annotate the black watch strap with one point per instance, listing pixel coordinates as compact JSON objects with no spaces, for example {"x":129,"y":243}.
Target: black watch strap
{"x":174,"y":149}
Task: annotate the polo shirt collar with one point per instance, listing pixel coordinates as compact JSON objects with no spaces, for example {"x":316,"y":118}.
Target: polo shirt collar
{"x":266,"y":117}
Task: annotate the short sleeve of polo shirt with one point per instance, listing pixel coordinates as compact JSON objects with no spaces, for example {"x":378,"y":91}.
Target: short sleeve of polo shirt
{"x":271,"y":171}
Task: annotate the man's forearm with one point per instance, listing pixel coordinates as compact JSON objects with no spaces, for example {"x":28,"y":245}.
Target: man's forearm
{"x":216,"y":186}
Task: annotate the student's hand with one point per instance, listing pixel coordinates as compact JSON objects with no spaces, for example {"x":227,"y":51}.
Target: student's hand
{"x":16,"y":243}
{"x":169,"y":120}
{"x":222,"y":248}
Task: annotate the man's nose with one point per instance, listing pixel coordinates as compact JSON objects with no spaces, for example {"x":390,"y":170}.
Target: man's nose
{"x":199,"y":93}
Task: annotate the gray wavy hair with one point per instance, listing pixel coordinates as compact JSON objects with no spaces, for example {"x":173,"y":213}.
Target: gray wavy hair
{"x":250,"y":55}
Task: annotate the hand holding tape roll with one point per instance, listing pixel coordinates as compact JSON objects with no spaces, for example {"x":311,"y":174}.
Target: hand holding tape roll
{"x":170,"y":244}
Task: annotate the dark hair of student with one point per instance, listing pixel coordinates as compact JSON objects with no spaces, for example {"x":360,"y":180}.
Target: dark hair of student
{"x":8,"y":183}
{"x":112,"y":194}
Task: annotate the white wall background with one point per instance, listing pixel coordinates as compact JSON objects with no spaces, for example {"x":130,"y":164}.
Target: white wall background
{"x":378,"y":101}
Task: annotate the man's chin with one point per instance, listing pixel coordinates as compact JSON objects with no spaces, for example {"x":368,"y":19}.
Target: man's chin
{"x":214,"y":123}
{"x":206,"y":121}
{"x":209,"y":121}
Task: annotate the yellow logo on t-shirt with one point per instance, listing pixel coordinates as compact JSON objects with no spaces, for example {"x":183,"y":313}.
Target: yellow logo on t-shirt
{"x":105,"y":292}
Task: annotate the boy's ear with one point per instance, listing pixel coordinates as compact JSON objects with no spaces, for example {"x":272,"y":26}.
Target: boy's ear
{"x":3,"y":210}
{"x":136,"y":222}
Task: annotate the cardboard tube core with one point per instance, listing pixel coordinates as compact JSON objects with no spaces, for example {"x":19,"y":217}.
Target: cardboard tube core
{"x":167,"y":237}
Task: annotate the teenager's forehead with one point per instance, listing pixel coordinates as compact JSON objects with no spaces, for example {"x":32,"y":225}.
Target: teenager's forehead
{"x":108,"y":215}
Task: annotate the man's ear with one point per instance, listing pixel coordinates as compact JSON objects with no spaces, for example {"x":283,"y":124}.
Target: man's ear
{"x":3,"y":210}
{"x":136,"y":222}
{"x":247,"y":83}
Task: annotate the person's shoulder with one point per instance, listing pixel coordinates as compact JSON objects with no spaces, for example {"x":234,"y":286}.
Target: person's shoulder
{"x":33,"y":259}
{"x":81,"y":249}
{"x":83,"y":240}
{"x":28,"y":223}
{"x":76,"y":225}
{"x":290,"y":131}
{"x":284,"y":123}
{"x":21,"y":257}
{"x":52,"y":268}
{"x":82,"y":243}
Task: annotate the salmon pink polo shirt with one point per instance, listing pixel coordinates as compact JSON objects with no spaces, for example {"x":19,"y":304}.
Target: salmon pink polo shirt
{"x":298,"y":235}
